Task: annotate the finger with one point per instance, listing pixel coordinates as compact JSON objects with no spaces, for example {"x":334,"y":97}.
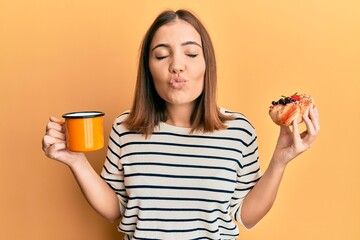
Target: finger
{"x":48,"y":141}
{"x":55,"y":134}
{"x":295,"y":128}
{"x":317,"y":113}
{"x":315,"y":117}
{"x":54,"y":150}
{"x":284,"y":130}
{"x":296,"y":136}
{"x":308,"y":122}
{"x":57,"y":120}
{"x":310,"y":128}
{"x":55,"y":123}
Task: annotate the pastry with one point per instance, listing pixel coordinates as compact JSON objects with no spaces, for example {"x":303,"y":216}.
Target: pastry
{"x":288,"y":109}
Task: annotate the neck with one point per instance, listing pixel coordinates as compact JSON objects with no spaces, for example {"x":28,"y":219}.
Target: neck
{"x":179,"y":115}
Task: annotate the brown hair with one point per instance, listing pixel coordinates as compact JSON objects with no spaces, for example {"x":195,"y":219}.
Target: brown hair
{"x":148,"y":108}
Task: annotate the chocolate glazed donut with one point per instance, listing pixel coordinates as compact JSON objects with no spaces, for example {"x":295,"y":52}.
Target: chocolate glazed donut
{"x":288,"y":109}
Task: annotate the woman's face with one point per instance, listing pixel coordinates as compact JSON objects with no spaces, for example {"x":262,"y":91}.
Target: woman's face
{"x":177,"y":63}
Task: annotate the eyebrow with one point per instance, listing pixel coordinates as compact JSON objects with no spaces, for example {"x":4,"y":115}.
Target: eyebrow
{"x":183,"y":44}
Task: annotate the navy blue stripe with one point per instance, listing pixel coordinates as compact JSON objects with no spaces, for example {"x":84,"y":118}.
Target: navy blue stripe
{"x":179,"y":199}
{"x":118,"y":190}
{"x":251,"y":163}
{"x":171,"y":230}
{"x":124,"y":200}
{"x":200,"y":238}
{"x":113,"y":141}
{"x":112,"y":180}
{"x":251,"y":153}
{"x":243,"y":189}
{"x":236,"y":214}
{"x":114,"y":165}
{"x":115,"y":131}
{"x":240,"y":129}
{"x":232,"y":112}
{"x":231,"y":235}
{"x":171,"y":219}
{"x":124,"y":197}
{"x":177,"y":209}
{"x":252,"y":141}
{"x":124,"y":113}
{"x":181,"y":145}
{"x":138,"y":238}
{"x":182,"y":230}
{"x":186,"y":136}
{"x":203,"y":136}
{"x":230,"y":229}
{"x":248,"y":182}
{"x":107,"y":170}
{"x":177,"y":165}
{"x":128,"y":224}
{"x":179,"y":188}
{"x":249,"y":173}
{"x":240,"y":118}
{"x":179,"y":176}
{"x":205,"y":238}
{"x":184,"y":155}
{"x":113,"y":152}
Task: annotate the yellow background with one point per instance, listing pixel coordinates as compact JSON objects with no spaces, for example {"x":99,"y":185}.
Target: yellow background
{"x":62,"y":56}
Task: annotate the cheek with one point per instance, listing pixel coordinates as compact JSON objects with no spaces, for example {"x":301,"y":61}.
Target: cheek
{"x":199,"y":71}
{"x":155,"y":74}
{"x":158,"y":78}
{"x":153,"y":69}
{"x":198,"y":79}
{"x":158,"y":70}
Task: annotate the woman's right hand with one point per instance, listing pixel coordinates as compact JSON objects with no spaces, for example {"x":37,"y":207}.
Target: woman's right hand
{"x":98,"y":193}
{"x":54,"y":143}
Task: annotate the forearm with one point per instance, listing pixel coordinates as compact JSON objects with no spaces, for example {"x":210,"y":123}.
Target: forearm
{"x":261,"y":198}
{"x":289,"y":145}
{"x":99,"y":195}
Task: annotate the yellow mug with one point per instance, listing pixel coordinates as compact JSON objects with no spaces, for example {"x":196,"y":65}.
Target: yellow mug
{"x":84,"y":131}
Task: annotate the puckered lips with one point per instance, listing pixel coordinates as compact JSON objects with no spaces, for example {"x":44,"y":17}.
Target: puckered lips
{"x":177,"y":82}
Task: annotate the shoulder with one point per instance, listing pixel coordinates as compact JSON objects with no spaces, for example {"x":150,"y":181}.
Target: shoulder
{"x":118,"y":124}
{"x":241,"y":129}
{"x":120,"y":119}
{"x":239,"y":119}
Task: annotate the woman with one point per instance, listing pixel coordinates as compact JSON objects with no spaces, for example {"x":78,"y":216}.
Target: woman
{"x":178,"y":166}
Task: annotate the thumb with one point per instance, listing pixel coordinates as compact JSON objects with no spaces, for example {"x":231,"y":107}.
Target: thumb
{"x":295,"y":127}
{"x":284,"y":130}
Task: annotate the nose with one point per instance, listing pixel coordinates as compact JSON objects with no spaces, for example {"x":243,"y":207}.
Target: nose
{"x":177,"y":65}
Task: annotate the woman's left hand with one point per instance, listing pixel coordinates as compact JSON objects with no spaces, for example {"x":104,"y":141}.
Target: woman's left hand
{"x":291,"y":143}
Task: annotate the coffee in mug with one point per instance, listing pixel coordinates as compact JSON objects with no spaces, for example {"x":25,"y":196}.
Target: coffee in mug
{"x":84,"y":131}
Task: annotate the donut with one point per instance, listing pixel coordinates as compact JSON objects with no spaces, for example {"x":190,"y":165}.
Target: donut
{"x":288,"y":109}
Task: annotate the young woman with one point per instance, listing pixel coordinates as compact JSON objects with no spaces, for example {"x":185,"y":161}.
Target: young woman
{"x":178,"y":166}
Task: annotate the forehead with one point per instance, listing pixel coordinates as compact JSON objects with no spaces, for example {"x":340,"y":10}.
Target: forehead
{"x":178,"y":31}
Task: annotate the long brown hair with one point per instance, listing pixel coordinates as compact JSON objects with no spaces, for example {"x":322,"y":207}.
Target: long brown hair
{"x":148,"y":108}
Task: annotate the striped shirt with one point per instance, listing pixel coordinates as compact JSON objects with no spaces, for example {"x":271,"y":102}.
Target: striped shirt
{"x":180,"y":186}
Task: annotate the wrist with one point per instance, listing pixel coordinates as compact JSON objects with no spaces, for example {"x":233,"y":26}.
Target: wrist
{"x":76,"y":161}
{"x":277,"y":165}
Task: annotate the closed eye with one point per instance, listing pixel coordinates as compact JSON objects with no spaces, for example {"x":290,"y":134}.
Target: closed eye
{"x":192,"y":55}
{"x":160,"y":57}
